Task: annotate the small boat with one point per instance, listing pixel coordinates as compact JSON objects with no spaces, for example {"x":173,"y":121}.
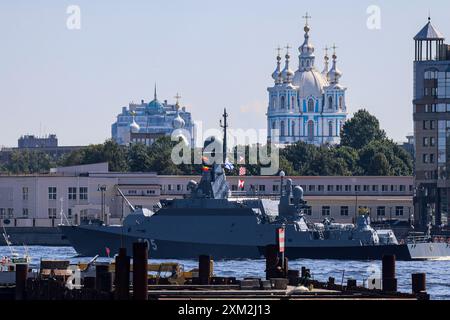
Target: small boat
{"x":8,"y":263}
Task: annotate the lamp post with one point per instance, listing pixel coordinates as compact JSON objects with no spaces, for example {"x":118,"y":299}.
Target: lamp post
{"x":282,"y":175}
{"x":390,"y":215}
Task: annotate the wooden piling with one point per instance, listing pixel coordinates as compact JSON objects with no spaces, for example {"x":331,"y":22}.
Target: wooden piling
{"x":89,"y":283}
{"x":419,"y":283}
{"x":21,"y":281}
{"x":204,"y":270}
{"x":286,"y":267}
{"x":122,"y":279}
{"x":140,"y":272}
{"x":351,"y":284}
{"x":271,"y":261}
{"x":294,"y":277}
{"x":103,"y":278}
{"x":388,"y":274}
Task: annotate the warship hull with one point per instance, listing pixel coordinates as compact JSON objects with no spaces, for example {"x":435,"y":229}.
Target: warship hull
{"x":90,"y":241}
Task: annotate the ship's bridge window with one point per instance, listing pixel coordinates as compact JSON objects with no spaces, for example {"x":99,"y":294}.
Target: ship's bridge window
{"x":399,"y":211}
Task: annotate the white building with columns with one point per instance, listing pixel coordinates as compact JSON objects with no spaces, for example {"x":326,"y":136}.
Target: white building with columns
{"x":306,"y":105}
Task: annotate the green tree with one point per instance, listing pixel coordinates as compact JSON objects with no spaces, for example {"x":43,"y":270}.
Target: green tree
{"x":300,"y":155}
{"x":362,"y":129}
{"x":400,"y":162}
{"x":72,"y":159}
{"x":379,"y":166}
{"x":28,"y":162}
{"x":110,"y":152}
{"x":160,"y":154}
{"x":116,"y":156}
{"x":139,"y":158}
{"x":350,"y":157}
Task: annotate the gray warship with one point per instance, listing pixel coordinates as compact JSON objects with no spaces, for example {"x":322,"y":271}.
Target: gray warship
{"x":211,"y":221}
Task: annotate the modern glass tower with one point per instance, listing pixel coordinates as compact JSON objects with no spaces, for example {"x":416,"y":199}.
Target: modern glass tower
{"x":432,"y":127}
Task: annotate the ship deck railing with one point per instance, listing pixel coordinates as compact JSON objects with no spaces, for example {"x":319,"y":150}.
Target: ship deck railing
{"x":253,"y":196}
{"x":418,"y":239}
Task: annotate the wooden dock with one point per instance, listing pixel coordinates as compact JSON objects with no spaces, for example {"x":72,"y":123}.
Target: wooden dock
{"x":112,"y":282}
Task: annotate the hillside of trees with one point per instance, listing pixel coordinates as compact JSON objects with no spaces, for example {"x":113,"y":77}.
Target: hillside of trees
{"x":364,"y":150}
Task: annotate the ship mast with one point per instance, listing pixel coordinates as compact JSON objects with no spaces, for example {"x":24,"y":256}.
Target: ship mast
{"x":225,"y":127}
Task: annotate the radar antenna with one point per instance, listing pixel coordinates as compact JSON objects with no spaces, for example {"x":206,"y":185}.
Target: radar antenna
{"x":224,"y":125}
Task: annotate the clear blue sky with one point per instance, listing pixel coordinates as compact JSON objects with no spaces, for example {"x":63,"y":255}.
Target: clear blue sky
{"x":215,"y":53}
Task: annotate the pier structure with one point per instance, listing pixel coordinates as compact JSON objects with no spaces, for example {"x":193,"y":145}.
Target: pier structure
{"x":112,"y":282}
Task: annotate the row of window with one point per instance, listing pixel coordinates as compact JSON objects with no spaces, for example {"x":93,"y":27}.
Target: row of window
{"x":431,"y":74}
{"x":326,"y":211}
{"x":142,"y":192}
{"x":344,"y":211}
{"x":431,"y":92}
{"x":72,"y":193}
{"x":310,"y":129}
{"x":429,"y":142}
{"x":337,"y":188}
{"x":429,"y":124}
{"x":6,"y":213}
{"x":437,"y":108}
{"x":428,"y":158}
{"x":430,"y":175}
{"x":173,"y":187}
{"x":311,"y":103}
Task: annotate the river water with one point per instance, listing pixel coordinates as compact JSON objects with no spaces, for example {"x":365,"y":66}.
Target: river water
{"x":438,"y":272}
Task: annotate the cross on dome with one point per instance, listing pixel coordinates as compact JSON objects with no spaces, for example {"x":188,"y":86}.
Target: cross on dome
{"x":287,"y":48}
{"x":278,"y":50}
{"x":334,"y":47}
{"x":306,"y":17}
{"x":178,"y":97}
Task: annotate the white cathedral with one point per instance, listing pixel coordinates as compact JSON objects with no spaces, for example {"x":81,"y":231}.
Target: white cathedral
{"x":306,"y":105}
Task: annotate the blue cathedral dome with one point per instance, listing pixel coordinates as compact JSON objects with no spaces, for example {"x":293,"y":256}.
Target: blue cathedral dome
{"x":155,"y":107}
